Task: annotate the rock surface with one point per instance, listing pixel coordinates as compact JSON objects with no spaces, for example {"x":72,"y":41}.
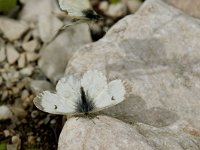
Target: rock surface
{"x":192,"y":7}
{"x":157,"y":50}
{"x":161,"y":65}
{"x":54,"y":57}
{"x":104,"y":133}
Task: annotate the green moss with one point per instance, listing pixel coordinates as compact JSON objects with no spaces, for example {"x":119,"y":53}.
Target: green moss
{"x":2,"y":146}
{"x":114,"y":1}
{"x":6,"y":5}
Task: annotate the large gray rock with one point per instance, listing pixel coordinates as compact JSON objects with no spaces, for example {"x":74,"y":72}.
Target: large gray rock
{"x":54,"y":57}
{"x":157,"y":49}
{"x":105,"y":133}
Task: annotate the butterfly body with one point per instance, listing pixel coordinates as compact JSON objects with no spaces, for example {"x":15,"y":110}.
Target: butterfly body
{"x":84,"y":105}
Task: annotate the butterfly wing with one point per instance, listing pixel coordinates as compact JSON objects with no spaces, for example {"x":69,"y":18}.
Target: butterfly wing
{"x":74,"y":7}
{"x":110,"y":96}
{"x":93,"y":83}
{"x":64,"y":101}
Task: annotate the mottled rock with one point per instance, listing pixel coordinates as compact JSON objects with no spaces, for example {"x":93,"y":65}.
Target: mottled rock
{"x":12,"y":54}
{"x":54,"y":57}
{"x":109,"y":133}
{"x":12,"y":29}
{"x":5,"y":112}
{"x":103,"y":133}
{"x":157,"y":51}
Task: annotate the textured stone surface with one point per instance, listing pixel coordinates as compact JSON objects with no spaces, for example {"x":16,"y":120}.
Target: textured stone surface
{"x":54,"y":57}
{"x":105,"y":133}
{"x":157,"y":49}
{"x":191,"y":7}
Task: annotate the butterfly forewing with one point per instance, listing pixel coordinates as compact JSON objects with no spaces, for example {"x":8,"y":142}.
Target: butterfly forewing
{"x":52,"y":103}
{"x":74,"y":7}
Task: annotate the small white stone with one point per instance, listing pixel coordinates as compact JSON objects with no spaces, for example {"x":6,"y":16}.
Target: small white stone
{"x":31,"y":56}
{"x":2,"y":53}
{"x":24,"y":94}
{"x":5,"y":112}
{"x":30,"y":46}
{"x":133,"y":5}
{"x":6,"y":133}
{"x":22,"y":60}
{"x":27,"y":71}
{"x":12,"y":29}
{"x":103,"y":5}
{"x":117,"y":10}
{"x":12,"y":54}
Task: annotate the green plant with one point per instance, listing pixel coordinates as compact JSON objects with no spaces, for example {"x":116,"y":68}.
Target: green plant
{"x":6,"y":5}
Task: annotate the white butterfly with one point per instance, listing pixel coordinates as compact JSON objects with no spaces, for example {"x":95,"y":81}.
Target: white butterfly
{"x":89,"y":94}
{"x":81,"y":10}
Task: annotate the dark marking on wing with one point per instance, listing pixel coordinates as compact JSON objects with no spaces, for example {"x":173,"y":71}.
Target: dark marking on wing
{"x":84,"y":105}
{"x":55,"y":106}
{"x":113,"y":98}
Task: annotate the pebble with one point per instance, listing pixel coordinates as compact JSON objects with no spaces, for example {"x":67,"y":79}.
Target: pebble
{"x":1,"y":80}
{"x":6,"y":133}
{"x":12,"y":54}
{"x":4,"y":95}
{"x":5,"y":113}
{"x":27,"y":71}
{"x":24,"y":94}
{"x":133,"y":5}
{"x":34,"y":114}
{"x":19,"y":112}
{"x":30,"y":56}
{"x":30,"y":46}
{"x":15,"y":139}
{"x":31,"y":140}
{"x":103,"y":6}
{"x":2,"y":54}
{"x":22,"y":60}
{"x":117,"y":10}
{"x":12,"y":29}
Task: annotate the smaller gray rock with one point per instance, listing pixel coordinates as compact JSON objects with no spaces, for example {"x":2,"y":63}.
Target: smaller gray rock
{"x":12,"y":54}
